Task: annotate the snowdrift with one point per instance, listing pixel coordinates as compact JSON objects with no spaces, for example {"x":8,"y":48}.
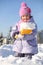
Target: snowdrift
{"x":7,"y":56}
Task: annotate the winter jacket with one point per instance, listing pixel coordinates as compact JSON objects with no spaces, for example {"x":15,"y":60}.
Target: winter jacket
{"x":26,"y":43}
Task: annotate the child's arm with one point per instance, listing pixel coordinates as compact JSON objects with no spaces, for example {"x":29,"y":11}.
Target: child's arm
{"x":33,"y":34}
{"x":14,"y":31}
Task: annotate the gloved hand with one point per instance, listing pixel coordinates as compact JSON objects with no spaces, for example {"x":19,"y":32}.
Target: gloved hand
{"x":18,"y":36}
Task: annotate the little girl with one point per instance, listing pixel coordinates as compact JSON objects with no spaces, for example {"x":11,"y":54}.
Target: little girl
{"x":25,"y":33}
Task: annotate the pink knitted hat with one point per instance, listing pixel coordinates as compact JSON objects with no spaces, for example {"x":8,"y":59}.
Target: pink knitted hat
{"x":24,"y":9}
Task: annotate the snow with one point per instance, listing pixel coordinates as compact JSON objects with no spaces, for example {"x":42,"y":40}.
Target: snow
{"x":7,"y":56}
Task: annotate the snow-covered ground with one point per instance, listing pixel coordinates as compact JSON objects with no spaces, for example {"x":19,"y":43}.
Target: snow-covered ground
{"x":7,"y":56}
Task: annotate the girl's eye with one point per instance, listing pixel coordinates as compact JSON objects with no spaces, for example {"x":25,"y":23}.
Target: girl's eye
{"x":23,"y":17}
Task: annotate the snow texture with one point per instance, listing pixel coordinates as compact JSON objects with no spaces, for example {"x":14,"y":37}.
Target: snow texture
{"x":7,"y":56}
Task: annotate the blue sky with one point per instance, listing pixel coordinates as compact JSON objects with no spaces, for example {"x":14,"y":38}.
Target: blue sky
{"x":9,"y":13}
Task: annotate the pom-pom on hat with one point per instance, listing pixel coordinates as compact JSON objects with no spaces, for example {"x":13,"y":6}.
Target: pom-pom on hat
{"x":24,"y":9}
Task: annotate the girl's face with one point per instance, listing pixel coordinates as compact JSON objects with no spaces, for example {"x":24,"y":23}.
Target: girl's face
{"x":25,"y":18}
